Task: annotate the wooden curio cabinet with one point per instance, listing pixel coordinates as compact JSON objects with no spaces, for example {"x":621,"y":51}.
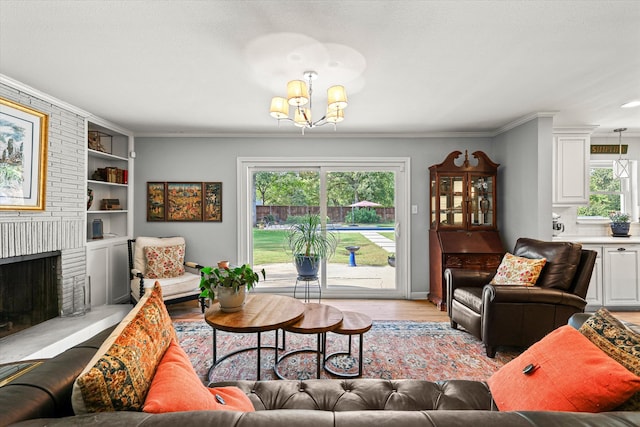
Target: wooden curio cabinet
{"x":463,"y":218}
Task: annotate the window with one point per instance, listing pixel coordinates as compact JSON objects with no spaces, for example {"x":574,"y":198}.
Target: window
{"x":271,"y":190}
{"x":608,"y":193}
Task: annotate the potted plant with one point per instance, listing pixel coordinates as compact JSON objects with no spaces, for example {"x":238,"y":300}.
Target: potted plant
{"x":231,"y":282}
{"x":619,"y":223}
{"x":309,"y":242}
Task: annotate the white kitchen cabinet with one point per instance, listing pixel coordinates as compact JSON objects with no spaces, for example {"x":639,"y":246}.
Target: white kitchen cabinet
{"x":595,"y":292}
{"x":621,"y":275}
{"x":571,"y":168}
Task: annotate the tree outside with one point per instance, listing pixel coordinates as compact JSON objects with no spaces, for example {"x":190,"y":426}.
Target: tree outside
{"x":605,"y":193}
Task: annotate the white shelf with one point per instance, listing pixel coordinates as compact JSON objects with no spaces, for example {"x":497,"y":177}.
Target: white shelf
{"x":112,"y":211}
{"x":100,"y":154}
{"x":91,"y":181}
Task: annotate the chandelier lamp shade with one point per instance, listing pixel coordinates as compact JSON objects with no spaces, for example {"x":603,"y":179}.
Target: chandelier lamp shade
{"x":299,"y":99}
{"x":621,"y":166}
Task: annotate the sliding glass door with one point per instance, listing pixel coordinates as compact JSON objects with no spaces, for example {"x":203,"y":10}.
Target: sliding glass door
{"x":357,"y":200}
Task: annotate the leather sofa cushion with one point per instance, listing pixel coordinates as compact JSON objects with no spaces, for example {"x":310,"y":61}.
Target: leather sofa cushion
{"x":562,"y":261}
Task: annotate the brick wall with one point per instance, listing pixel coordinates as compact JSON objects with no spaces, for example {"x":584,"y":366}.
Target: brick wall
{"x":62,"y":225}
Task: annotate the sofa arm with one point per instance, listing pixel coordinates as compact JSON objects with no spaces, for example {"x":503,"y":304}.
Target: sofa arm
{"x":519,"y":294}
{"x":464,"y":278}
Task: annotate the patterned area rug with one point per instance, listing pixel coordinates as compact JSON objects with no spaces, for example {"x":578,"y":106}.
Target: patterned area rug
{"x":392,"y":350}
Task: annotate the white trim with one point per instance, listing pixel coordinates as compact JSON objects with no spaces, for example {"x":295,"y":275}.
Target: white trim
{"x":523,"y":120}
{"x":323,"y":135}
{"x":402,"y":166}
{"x":578,"y":130}
{"x":41,"y":95}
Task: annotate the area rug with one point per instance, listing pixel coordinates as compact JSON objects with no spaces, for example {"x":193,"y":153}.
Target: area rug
{"x":392,"y":350}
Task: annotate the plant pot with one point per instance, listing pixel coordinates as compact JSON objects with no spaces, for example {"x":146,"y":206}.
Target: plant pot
{"x":391,"y":260}
{"x":620,"y":228}
{"x":307,"y":266}
{"x":230,"y":300}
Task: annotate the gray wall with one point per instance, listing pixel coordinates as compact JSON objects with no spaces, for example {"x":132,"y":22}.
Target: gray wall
{"x":525,"y":179}
{"x":214,"y":159}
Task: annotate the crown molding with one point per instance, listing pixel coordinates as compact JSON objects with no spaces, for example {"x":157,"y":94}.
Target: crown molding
{"x":580,"y":129}
{"x":523,"y":120}
{"x":479,"y":134}
{"x":43,"y":96}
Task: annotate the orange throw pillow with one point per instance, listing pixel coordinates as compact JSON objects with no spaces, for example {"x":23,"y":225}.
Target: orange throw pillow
{"x":570,"y":374}
{"x":176,"y":387}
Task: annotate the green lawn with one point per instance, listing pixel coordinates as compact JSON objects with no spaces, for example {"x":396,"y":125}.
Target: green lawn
{"x":269,"y":248}
{"x":388,"y":234}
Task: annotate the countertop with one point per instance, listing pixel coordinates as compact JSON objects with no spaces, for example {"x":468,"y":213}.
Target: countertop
{"x":592,"y":240}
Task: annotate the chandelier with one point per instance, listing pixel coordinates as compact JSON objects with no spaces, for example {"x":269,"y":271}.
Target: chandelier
{"x":299,"y":95}
{"x":620,"y":166}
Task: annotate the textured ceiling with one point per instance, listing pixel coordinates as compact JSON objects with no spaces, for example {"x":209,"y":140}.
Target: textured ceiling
{"x":410,"y":67}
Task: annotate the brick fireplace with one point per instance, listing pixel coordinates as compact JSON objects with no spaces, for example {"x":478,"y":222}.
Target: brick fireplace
{"x":60,"y":228}
{"x":28,"y":291}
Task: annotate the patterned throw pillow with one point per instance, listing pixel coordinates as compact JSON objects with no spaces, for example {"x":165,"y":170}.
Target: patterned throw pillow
{"x":515,"y":270}
{"x":618,"y":342}
{"x":120,"y":374}
{"x":164,"y":261}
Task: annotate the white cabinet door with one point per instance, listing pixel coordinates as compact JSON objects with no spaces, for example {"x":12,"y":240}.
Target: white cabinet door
{"x":108,"y":269}
{"x":621,"y":275}
{"x":98,"y":272}
{"x":571,"y":169}
{"x":119,"y":273}
{"x":594,"y":293}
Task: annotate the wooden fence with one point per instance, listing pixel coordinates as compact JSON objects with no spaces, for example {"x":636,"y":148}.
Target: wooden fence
{"x":336,"y":214}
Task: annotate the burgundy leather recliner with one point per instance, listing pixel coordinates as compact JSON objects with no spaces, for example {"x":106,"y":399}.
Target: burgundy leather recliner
{"x":516,"y":315}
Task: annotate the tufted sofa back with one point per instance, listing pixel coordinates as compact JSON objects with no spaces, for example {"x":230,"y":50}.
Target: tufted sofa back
{"x":366,"y":394}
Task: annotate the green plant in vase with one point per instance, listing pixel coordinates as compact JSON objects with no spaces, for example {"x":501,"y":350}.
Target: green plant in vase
{"x":309,"y":242}
{"x":230,"y":284}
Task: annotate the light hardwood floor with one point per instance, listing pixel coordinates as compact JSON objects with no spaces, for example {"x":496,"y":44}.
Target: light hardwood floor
{"x":377,"y":309}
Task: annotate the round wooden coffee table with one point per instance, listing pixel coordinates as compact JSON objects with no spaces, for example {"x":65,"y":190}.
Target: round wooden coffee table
{"x":318,"y":319}
{"x":261,"y":313}
{"x":352,"y":324}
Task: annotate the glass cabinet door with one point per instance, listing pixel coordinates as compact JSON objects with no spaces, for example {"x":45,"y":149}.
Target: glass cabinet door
{"x":482,"y":198}
{"x":452,"y":198}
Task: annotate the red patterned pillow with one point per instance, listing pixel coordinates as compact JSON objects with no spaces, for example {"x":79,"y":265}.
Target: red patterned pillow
{"x":568,"y":373}
{"x":119,"y":375}
{"x":164,"y":261}
{"x":176,"y":387}
{"x":515,"y":270}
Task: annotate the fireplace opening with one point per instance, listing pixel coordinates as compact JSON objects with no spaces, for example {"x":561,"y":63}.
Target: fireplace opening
{"x":28,"y":291}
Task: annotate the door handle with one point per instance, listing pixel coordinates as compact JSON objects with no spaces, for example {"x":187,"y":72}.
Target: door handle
{"x":622,"y":249}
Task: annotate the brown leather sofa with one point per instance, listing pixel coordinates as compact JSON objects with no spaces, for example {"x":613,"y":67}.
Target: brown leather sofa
{"x":42,"y":398}
{"x":509,"y":315}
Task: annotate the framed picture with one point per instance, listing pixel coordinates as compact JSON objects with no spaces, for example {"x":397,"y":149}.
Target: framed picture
{"x":23,"y":157}
{"x":213,"y":201}
{"x":156,"y":201}
{"x":184,"y":201}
